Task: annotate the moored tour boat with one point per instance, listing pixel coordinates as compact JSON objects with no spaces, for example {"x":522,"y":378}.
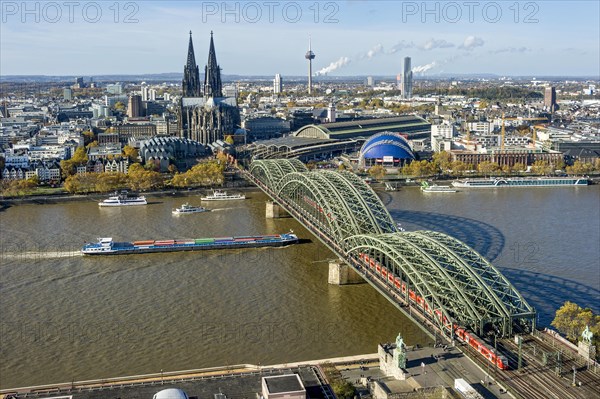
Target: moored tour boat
{"x":124,"y":198}
{"x":494,"y":182}
{"x":434,"y":188}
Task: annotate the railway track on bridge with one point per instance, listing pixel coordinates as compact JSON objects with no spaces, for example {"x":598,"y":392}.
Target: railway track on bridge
{"x":536,"y":380}
{"x":308,"y":203}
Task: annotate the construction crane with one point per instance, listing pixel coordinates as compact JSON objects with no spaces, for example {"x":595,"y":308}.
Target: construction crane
{"x":503,"y":131}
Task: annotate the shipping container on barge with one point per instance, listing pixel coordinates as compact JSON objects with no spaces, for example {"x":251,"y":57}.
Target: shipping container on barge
{"x":106,"y":246}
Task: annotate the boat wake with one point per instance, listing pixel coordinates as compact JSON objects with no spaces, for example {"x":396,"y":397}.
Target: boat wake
{"x":225,"y":209}
{"x":40,"y":254}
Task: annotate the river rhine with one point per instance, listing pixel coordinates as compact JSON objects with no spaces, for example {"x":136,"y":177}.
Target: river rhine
{"x":67,"y":318}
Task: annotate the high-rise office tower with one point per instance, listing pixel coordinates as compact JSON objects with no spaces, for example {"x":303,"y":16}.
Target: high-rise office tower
{"x":277,"y":86}
{"x":406,"y":79}
{"x":550,"y":99}
{"x":144,"y":93}
{"x":134,"y":107}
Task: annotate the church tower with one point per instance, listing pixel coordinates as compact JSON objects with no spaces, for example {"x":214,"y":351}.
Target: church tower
{"x":191,"y":74}
{"x":212,"y":73}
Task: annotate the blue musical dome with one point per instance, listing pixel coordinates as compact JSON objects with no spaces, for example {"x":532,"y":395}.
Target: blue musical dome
{"x":386,"y":144}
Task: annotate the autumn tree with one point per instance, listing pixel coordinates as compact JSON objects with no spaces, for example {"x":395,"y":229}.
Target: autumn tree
{"x":81,"y":184}
{"x":488,"y":167}
{"x":130,"y":152}
{"x":458,"y":168}
{"x":377,"y":172}
{"x":541,"y":167}
{"x":111,"y":181}
{"x":580,"y":168}
{"x":18,"y":188}
{"x":572,"y":320}
{"x":88,"y":137}
{"x":519,"y":167}
{"x":140,"y":179}
{"x":79,"y":158}
{"x":202,"y":174}
{"x":442,"y":160}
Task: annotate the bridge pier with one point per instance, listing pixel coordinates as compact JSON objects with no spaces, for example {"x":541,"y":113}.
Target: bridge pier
{"x":340,"y":273}
{"x":275,"y":211}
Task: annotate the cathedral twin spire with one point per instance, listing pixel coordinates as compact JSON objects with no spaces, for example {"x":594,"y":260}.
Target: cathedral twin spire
{"x":212,"y":74}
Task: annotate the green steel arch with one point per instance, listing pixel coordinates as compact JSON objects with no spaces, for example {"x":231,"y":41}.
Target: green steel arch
{"x":451,"y":278}
{"x":271,"y":171}
{"x":336,"y":202}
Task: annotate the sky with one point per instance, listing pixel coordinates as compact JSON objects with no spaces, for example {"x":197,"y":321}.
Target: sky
{"x":265,"y":37}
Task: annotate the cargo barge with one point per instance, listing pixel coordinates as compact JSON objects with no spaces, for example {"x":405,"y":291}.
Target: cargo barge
{"x":106,"y":246}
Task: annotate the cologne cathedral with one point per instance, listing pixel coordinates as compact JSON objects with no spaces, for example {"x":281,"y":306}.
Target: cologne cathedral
{"x":204,"y":114}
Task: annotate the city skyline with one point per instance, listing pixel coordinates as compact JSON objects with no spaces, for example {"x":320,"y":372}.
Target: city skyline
{"x":545,"y":38}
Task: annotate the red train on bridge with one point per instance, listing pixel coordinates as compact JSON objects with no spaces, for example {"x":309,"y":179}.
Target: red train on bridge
{"x":463,"y":334}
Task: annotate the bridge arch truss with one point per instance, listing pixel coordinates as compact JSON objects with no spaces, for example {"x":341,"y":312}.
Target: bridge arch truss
{"x":458,"y":286}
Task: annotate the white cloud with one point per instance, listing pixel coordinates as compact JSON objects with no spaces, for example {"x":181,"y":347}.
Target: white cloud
{"x":432,"y":44}
{"x":401,"y":45}
{"x":471,"y":42}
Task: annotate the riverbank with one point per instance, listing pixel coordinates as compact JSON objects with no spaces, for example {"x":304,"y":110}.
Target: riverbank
{"x":167,"y":192}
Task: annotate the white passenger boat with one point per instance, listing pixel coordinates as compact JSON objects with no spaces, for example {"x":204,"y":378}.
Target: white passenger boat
{"x":187,"y":208}
{"x":434,"y":188}
{"x":219,"y":195}
{"x":124,"y":199}
{"x":494,"y":182}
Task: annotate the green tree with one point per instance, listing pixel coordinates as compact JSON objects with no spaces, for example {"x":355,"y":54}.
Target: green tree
{"x":229,"y":139}
{"x":119,"y":106}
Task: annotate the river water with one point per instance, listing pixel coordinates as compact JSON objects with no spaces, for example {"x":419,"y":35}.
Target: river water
{"x":65,"y":317}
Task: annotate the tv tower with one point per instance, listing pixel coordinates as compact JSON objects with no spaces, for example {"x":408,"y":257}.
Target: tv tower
{"x":309,"y":56}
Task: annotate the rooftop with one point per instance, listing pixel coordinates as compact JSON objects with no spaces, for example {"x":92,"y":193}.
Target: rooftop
{"x":284,"y":383}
